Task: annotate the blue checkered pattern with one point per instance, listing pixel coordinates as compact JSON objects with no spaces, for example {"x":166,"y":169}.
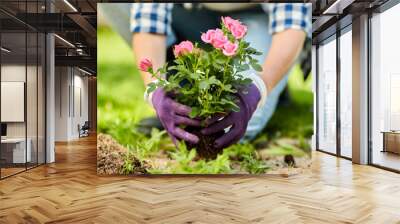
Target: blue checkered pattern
{"x":151,"y":18}
{"x":284,"y":16}
{"x":156,"y":17}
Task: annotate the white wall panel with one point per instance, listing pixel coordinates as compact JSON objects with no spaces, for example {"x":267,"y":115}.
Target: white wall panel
{"x":12,"y":101}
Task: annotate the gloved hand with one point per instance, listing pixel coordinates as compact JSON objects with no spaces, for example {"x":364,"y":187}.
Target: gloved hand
{"x":173,"y":114}
{"x":238,"y":120}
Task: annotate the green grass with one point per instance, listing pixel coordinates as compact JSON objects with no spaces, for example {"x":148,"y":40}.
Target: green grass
{"x":120,"y":88}
{"x":121,"y":106}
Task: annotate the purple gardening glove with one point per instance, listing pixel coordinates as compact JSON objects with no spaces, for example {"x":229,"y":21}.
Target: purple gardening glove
{"x":173,"y":114}
{"x":238,"y":120}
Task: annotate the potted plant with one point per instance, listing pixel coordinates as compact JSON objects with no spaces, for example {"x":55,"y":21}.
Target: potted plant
{"x":206,"y":79}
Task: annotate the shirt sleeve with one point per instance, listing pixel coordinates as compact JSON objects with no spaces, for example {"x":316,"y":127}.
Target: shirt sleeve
{"x":283,"y":16}
{"x":151,"y":18}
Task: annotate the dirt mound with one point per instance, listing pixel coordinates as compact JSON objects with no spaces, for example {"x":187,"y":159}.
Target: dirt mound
{"x":111,"y":157}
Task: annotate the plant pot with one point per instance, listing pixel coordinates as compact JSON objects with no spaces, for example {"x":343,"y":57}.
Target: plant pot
{"x":205,"y":147}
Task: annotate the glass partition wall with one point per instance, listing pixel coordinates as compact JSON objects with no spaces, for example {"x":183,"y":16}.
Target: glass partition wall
{"x":22,"y":77}
{"x":334,"y":126}
{"x":385,"y":89}
{"x":334,"y":94}
{"x":346,"y":92}
{"x":326,"y":60}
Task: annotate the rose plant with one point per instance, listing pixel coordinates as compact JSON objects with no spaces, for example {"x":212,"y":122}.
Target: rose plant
{"x":206,"y":79}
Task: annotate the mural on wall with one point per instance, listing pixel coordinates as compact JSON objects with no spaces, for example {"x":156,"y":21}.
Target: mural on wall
{"x":178,"y":95}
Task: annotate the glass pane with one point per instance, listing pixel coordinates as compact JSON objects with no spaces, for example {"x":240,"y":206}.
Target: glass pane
{"x":31,"y":97}
{"x":22,"y":88}
{"x":327,"y":96}
{"x":14,"y":153}
{"x":32,"y":85}
{"x":346,"y":94}
{"x":386,"y":89}
{"x":41,"y":99}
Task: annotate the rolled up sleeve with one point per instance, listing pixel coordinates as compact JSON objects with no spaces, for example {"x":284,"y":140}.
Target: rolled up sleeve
{"x":151,"y":18}
{"x":283,"y":16}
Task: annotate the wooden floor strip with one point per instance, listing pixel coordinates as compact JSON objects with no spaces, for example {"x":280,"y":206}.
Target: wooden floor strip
{"x":70,"y":191}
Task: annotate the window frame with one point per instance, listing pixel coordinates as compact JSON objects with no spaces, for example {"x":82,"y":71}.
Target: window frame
{"x":340,"y":30}
{"x":26,"y":30}
{"x":381,"y":9}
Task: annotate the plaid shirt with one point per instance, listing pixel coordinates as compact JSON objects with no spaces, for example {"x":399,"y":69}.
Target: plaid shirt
{"x":156,"y":17}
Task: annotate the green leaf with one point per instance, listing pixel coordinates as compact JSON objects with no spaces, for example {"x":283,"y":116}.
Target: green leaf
{"x":173,"y":67}
{"x":194,"y":75}
{"x":236,"y":60}
{"x":235,"y":107}
{"x":213,"y":80}
{"x":220,"y":60}
{"x":243,"y":67}
{"x":228,"y":87}
{"x":192,"y":154}
{"x":256,"y":66}
{"x":204,"y":84}
{"x":246,"y":81}
{"x":245,"y":44}
{"x":283,"y":150}
{"x":195,"y":112}
{"x":151,"y":87}
{"x":251,"y":50}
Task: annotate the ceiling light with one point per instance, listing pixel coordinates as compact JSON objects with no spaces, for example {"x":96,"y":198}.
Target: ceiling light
{"x":65,"y":41}
{"x":84,"y":71}
{"x":80,"y":51}
{"x":337,"y":7}
{"x":70,"y":5}
{"x":5,"y":50}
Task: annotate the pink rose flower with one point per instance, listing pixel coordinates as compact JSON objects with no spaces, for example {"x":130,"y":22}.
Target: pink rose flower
{"x":219,"y":39}
{"x":230,"y":48}
{"x":229,"y":22}
{"x":237,"y":29}
{"x":183,"y":48}
{"x":145,"y":65}
{"x":208,"y":36}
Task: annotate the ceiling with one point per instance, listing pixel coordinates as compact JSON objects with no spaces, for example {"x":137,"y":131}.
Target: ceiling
{"x":330,"y":15}
{"x":74,"y":22}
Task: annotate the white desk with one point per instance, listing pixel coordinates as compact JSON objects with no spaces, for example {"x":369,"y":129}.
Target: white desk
{"x":18,"y":151}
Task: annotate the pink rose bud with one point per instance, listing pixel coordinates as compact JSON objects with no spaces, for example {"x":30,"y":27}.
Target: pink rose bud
{"x":219,"y":39}
{"x":208,"y":36}
{"x":145,"y":65}
{"x":183,"y":48}
{"x":230,"y":48}
{"x":237,"y":29}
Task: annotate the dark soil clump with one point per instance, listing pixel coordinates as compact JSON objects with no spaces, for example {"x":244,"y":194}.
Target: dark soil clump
{"x":205,"y":147}
{"x":289,"y":160}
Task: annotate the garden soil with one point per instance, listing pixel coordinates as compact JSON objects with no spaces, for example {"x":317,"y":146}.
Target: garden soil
{"x":111,"y":156}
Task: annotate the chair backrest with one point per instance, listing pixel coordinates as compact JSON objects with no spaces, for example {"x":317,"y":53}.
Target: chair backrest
{"x":86,"y":125}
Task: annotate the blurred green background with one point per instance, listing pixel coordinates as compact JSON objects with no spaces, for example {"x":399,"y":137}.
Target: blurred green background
{"x":121,"y":105}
